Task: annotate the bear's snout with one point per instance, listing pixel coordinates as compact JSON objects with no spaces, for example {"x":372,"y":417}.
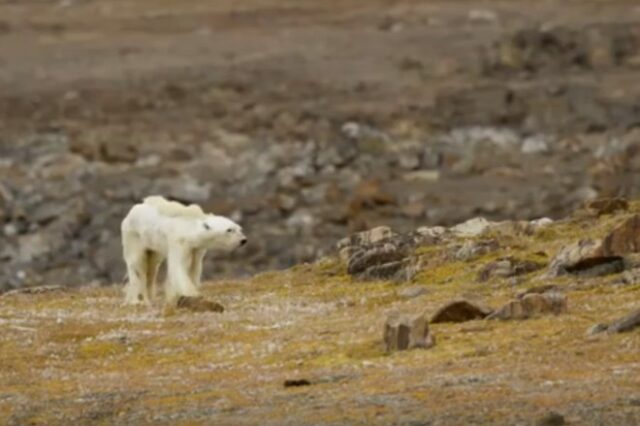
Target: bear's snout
{"x":243,"y":241}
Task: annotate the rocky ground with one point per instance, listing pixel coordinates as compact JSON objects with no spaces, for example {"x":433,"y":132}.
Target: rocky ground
{"x":307,"y":122}
{"x":304,"y":120}
{"x":501,"y":323}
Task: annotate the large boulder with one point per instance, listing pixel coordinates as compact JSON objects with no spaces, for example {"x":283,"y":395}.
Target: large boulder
{"x":460,"y":311}
{"x":592,"y":257}
{"x":402,"y":332}
{"x":627,"y":323}
{"x":381,"y":254}
{"x":531,"y":305}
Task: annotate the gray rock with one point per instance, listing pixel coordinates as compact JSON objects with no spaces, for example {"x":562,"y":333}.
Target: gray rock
{"x":578,"y":257}
{"x":460,"y":311}
{"x":531,"y":305}
{"x":508,"y":267}
{"x":471,"y":228}
{"x":412,"y":292}
{"x":432,"y":232}
{"x":471,"y":249}
{"x":551,"y":419}
{"x":380,"y":254}
{"x":597,"y":329}
{"x":402,"y":332}
{"x":541,"y":289}
{"x":590,"y":257}
{"x":536,"y":144}
{"x":626,"y":323}
{"x":629,"y":277}
{"x":603,"y":206}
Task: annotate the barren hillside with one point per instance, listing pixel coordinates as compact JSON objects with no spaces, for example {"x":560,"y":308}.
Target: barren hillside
{"x":305,"y":346}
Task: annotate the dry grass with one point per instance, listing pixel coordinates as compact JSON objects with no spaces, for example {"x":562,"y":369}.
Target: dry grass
{"x":80,"y":357}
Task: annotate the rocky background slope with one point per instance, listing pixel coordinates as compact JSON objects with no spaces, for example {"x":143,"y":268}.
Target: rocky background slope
{"x":303,"y":120}
{"x":501,"y":323}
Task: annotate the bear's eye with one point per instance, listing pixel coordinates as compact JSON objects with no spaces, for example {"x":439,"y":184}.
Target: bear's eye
{"x":229,"y":230}
{"x":206,"y":226}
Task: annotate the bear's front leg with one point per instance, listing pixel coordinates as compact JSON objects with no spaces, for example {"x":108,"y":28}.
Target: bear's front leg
{"x":197,"y":256}
{"x":178,"y":265}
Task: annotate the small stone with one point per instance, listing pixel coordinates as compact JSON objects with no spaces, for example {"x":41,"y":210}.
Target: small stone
{"x":540,"y":223}
{"x":596,"y":329}
{"x":507,"y":267}
{"x":629,"y":277}
{"x":471,"y":228}
{"x":460,"y":311}
{"x":482,"y":15}
{"x":114,"y":152}
{"x":471,"y":249}
{"x":626,"y":323}
{"x":10,"y":230}
{"x":402,"y":332}
{"x":541,"y":289}
{"x":624,"y":239}
{"x":551,"y":419}
{"x":603,"y":206}
{"x":378,"y":255}
{"x":199,"y":304}
{"x":422,"y":176}
{"x":432,"y":232}
{"x":34,"y":290}
{"x":372,"y":236}
{"x":289,"y":383}
{"x":531,"y":305}
{"x":411,"y":292}
{"x":536,"y":144}
{"x":583,"y":258}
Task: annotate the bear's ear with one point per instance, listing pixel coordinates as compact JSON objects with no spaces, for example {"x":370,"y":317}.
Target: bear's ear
{"x":206,"y":226}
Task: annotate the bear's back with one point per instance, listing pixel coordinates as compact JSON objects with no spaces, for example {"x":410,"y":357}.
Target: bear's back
{"x":173,"y":208}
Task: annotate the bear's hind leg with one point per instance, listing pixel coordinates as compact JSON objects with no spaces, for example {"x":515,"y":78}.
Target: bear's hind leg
{"x":136,"y":260}
{"x":154,"y":261}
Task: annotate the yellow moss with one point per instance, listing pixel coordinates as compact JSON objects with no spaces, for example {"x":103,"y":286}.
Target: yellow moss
{"x":100,"y":349}
{"x":237,"y":360}
{"x":367,"y":349}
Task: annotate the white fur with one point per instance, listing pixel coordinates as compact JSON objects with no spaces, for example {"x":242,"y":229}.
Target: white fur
{"x":173,"y":208}
{"x":158,"y":229}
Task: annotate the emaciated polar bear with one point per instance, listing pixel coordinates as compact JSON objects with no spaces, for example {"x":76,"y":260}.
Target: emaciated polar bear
{"x":159,"y":229}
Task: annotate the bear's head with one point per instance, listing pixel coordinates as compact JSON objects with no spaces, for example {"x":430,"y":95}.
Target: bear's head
{"x":221,"y":234}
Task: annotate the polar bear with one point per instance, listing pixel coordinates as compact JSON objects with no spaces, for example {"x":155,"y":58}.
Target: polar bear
{"x":157,"y":230}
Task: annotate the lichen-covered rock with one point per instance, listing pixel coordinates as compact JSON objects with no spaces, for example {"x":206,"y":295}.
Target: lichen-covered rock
{"x":627,"y":323}
{"x":603,"y":206}
{"x":347,"y":246}
{"x":541,"y":289}
{"x":366,"y":258}
{"x":198,"y":304}
{"x":595,"y":257}
{"x":471,"y":228}
{"x":460,"y":311}
{"x":624,"y":239}
{"x":402,"y":332}
{"x":531,"y":305}
{"x":584,"y":258}
{"x":472,"y":248}
{"x":508,"y":267}
{"x":590,"y":47}
{"x":381,"y":254}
